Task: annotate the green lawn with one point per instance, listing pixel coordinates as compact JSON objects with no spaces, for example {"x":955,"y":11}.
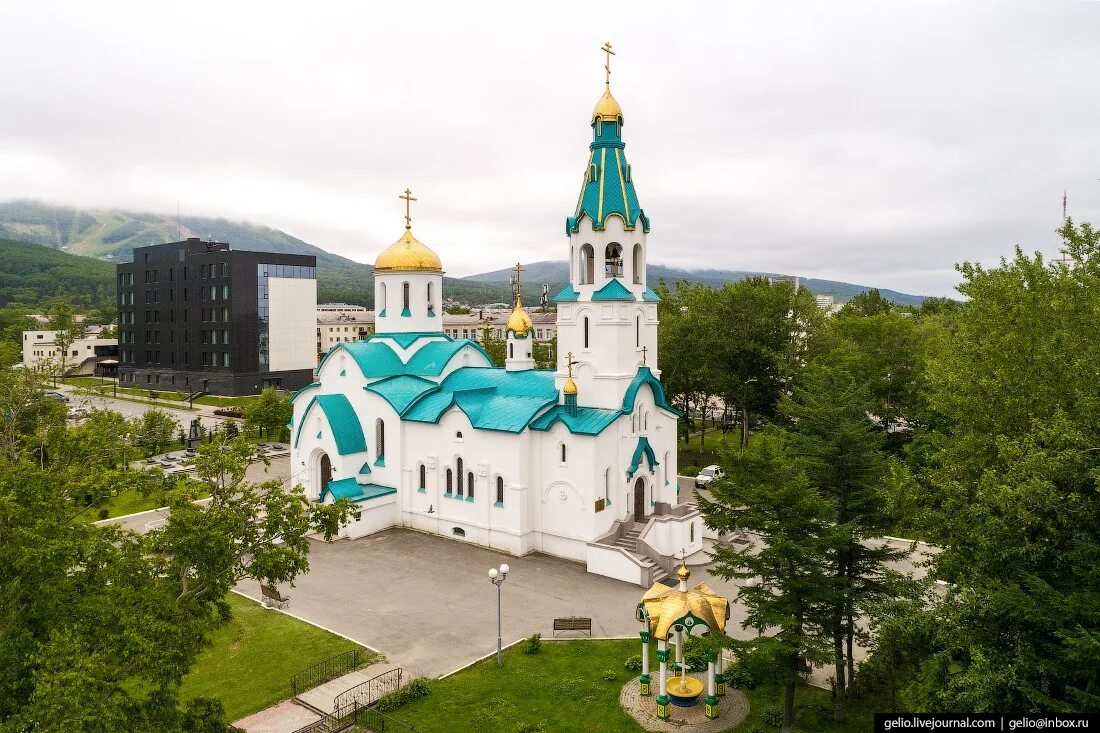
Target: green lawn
{"x":128,"y":501}
{"x":562,"y":688}
{"x":251,"y":658}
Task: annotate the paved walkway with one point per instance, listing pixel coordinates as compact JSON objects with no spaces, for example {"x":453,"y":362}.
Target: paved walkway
{"x":286,"y":717}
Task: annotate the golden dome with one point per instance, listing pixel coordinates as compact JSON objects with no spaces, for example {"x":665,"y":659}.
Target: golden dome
{"x":607,"y":108}
{"x":683,"y":573}
{"x":408,"y":253}
{"x":665,"y":608}
{"x":519,"y":322}
{"x":570,"y":387}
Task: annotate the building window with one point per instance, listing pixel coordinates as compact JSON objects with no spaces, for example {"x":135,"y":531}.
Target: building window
{"x":380,"y":437}
{"x":607,"y":486}
{"x":458,"y":435}
{"x":562,"y":446}
{"x":637,"y":264}
{"x":586,"y":332}
{"x":470,"y":485}
{"x":500,"y":491}
{"x":423,"y":477}
{"x":613,"y":260}
{"x":450,"y":482}
{"x":458,"y":470}
{"x":404,"y":298}
{"x":225,"y":358}
{"x":458,"y":531}
{"x":511,"y":350}
{"x":691,"y":532}
{"x":380,"y":306}
{"x":431,"y":299}
{"x":637,"y":332}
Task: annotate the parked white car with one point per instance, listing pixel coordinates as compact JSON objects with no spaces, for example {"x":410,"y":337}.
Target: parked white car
{"x":707,"y":475}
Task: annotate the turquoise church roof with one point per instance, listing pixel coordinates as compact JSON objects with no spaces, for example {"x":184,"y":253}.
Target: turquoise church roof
{"x":642,"y":450}
{"x":492,"y":398}
{"x":350,"y":489}
{"x":342,"y":420}
{"x":377,"y":358}
{"x":608,"y":188}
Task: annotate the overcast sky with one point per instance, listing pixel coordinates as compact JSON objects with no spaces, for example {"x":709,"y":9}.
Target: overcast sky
{"x":876,"y":142}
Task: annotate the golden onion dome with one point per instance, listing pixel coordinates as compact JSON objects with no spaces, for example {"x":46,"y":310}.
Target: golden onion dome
{"x":683,"y":573}
{"x":570,"y":387}
{"x":607,"y":108}
{"x":519,"y":322}
{"x":408,"y":253}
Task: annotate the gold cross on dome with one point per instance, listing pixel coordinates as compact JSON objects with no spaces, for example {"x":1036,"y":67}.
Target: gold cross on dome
{"x":408,"y":198}
{"x":569,"y":363}
{"x":606,"y":48}
{"x":518,"y":269}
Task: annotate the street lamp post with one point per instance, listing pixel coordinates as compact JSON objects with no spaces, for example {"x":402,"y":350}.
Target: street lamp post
{"x":497,"y":578}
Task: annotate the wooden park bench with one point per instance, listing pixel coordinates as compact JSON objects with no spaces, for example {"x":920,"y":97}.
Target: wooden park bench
{"x":273,"y":597}
{"x":573,"y":623}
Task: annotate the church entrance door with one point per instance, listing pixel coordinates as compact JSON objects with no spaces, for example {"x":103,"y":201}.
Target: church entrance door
{"x":639,"y":500}
{"x":326,"y":471}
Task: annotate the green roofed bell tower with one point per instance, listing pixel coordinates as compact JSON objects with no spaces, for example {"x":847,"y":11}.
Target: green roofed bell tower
{"x":607,"y":315}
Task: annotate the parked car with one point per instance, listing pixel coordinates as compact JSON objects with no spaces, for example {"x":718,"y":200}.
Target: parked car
{"x":228,"y":412}
{"x":77,"y":412}
{"x":707,"y":475}
{"x":56,"y":396}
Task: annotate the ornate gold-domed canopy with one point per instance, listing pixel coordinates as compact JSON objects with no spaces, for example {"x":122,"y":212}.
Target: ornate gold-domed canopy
{"x":698,"y":610}
{"x":408,"y":252}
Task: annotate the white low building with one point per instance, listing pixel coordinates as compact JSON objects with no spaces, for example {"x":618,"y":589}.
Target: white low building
{"x":41,"y":351}
{"x":420,"y":430}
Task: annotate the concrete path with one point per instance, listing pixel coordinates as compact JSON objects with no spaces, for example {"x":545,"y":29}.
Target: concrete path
{"x":286,"y":717}
{"x":322,"y":697}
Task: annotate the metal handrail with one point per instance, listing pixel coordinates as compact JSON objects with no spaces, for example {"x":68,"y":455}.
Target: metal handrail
{"x":367,"y":693}
{"x":325,"y":670}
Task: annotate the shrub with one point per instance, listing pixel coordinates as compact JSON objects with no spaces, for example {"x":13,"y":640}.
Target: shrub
{"x":692,"y":471}
{"x":532,"y":644}
{"x":413,"y":691}
{"x":634,"y":664}
{"x":610,"y":675}
{"x":741,"y":678}
{"x":104,"y":513}
{"x":772,"y":717}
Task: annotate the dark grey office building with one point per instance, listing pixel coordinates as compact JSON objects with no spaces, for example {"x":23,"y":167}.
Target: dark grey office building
{"x":197,"y":316}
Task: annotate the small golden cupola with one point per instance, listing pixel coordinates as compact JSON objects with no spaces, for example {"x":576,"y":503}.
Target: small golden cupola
{"x":408,"y":253}
{"x":519,"y":323}
{"x":519,"y":354}
{"x":607,"y":109}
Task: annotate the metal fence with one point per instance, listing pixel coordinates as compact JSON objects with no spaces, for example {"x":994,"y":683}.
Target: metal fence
{"x":367,"y":693}
{"x":376,"y":722}
{"x":324,"y":671}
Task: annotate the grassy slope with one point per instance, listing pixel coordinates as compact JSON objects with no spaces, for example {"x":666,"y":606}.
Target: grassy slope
{"x":563,"y":687}
{"x":251,"y":659}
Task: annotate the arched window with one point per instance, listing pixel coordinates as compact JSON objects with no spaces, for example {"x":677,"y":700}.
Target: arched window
{"x":458,"y":470}
{"x":458,"y":435}
{"x":572,"y":262}
{"x":637,"y":332}
{"x":636,"y":268}
{"x":431,"y":299}
{"x":380,"y":437}
{"x":450,"y":482}
{"x":587,"y":265}
{"x":613,"y":260}
{"x":500,"y":491}
{"x":586,"y":332}
{"x":423,"y":477}
{"x":607,"y":485}
{"x":645,"y":420}
{"x":691,"y":532}
{"x":381,"y":304}
{"x":470,"y":484}
{"x":563,"y":453}
{"x":511,"y":351}
{"x":404,"y":298}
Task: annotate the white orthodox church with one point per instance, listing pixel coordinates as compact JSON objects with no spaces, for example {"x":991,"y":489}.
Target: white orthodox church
{"x":420,"y":430}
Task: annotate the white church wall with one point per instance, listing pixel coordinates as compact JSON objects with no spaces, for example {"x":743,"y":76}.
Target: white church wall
{"x":372,"y":516}
{"x":565,"y":503}
{"x":613,"y":563}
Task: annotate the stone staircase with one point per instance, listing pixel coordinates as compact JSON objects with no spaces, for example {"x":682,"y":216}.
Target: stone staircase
{"x":629,"y":542}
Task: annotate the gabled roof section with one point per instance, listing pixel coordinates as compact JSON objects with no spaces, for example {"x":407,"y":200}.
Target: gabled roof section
{"x":402,"y":390}
{"x":567,"y":295}
{"x":650,"y":296}
{"x":342,"y":420}
{"x":614,"y":290}
{"x":492,"y":398}
{"x":377,"y":359}
{"x":587,"y":421}
{"x":645,"y":376}
{"x":642,"y":450}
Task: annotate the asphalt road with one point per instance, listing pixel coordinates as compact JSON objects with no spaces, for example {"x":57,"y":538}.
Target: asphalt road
{"x":136,"y":409}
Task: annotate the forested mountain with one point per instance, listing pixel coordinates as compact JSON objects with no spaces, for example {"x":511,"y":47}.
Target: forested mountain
{"x":556,"y":274}
{"x":34,"y":276}
{"x":112,"y":236}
